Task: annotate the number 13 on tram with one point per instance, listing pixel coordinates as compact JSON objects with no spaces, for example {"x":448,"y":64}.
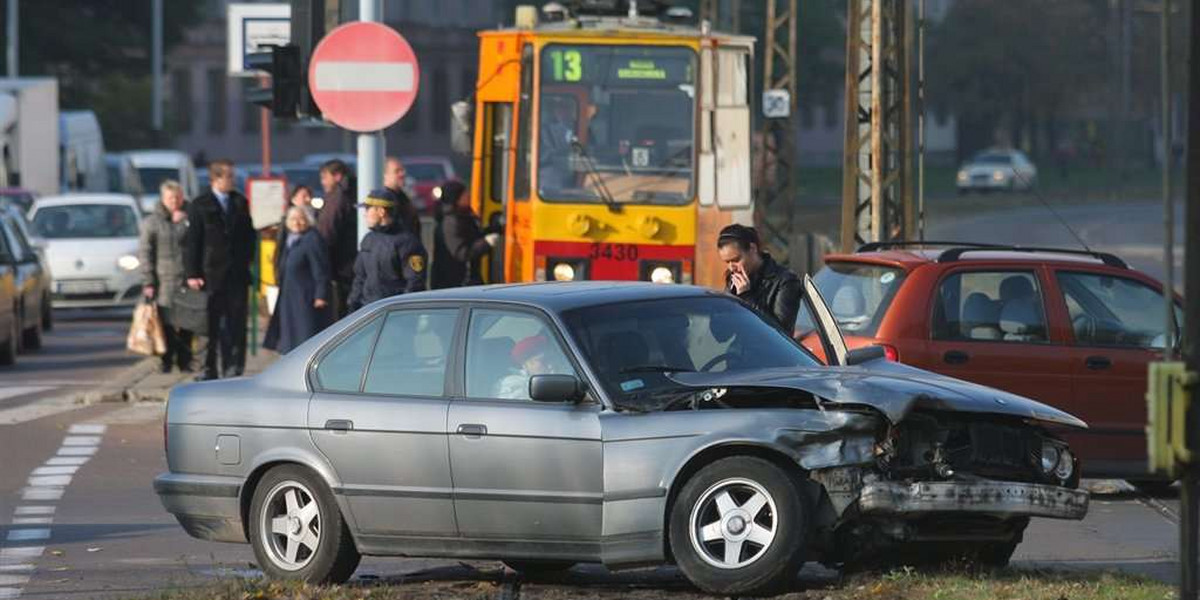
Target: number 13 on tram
{"x":611,"y":149}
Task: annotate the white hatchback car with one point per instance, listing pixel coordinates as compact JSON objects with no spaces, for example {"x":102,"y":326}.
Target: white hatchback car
{"x":91,"y":244}
{"x":997,"y":169}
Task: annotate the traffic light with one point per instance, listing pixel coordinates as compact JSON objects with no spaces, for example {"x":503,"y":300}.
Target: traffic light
{"x":282,"y":95}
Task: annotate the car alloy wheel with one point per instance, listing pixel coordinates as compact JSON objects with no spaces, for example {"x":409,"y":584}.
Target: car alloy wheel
{"x":291,"y":525}
{"x":733,"y":523}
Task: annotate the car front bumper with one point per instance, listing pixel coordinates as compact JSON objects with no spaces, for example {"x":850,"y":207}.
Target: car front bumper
{"x":112,"y":292}
{"x":207,"y":507}
{"x":1010,"y":499}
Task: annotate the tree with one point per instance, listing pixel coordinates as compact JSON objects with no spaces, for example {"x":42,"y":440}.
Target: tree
{"x":99,"y":50}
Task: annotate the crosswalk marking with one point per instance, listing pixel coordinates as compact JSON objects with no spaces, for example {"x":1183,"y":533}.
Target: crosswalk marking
{"x":22,"y":390}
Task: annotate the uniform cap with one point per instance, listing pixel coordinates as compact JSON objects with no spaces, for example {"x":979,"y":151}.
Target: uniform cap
{"x":384,"y":198}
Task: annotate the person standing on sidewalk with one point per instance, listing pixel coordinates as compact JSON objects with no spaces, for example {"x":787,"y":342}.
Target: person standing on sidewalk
{"x":303,"y":307}
{"x":459,"y":243}
{"x":338,"y":226}
{"x":755,"y":278}
{"x":392,"y":259}
{"x":161,"y":254}
{"x":218,"y":252}
{"x":394,"y":175}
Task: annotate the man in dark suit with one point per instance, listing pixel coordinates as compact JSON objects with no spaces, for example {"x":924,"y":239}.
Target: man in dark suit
{"x":217,"y":255}
{"x":338,"y":226}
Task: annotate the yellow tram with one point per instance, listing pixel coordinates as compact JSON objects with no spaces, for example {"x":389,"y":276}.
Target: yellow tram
{"x":611,"y":144}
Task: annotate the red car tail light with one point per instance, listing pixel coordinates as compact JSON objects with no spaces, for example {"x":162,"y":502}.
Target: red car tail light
{"x":890,"y":352}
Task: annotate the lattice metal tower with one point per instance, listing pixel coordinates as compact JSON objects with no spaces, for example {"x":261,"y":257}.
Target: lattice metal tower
{"x":877,"y":186}
{"x":776,"y":181}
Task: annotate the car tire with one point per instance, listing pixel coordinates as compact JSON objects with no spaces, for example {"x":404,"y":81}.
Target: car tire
{"x":31,"y":339}
{"x":8,"y":351}
{"x":297,"y":531}
{"x":47,"y":314}
{"x":539,"y":569}
{"x":747,"y":501}
{"x":995,"y":555}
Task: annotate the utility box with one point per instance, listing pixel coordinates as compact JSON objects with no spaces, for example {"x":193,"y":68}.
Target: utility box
{"x":1168,"y":401}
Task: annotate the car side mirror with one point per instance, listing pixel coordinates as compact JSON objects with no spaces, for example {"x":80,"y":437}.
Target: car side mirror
{"x":859,"y":356}
{"x":555,"y":388}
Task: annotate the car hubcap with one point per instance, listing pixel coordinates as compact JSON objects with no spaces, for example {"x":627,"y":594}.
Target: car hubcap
{"x":291,"y":525}
{"x":733,"y":523}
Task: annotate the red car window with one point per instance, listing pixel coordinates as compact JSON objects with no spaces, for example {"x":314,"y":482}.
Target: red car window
{"x":1002,"y":306}
{"x":1113,"y":311}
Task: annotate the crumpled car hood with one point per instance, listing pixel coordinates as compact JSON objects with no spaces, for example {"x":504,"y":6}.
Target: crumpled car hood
{"x":892,"y":388}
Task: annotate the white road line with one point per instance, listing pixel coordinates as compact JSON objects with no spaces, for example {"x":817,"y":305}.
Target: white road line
{"x":81,"y":440}
{"x":7,"y":593}
{"x":14,"y":579}
{"x":20,"y":554}
{"x":41,"y":494}
{"x":68,"y":460}
{"x":24,"y":511}
{"x":28,"y":535}
{"x":77,"y":451}
{"x":55,"y":470}
{"x":87,"y":429}
{"x":50,"y":481}
{"x":32,"y":520}
{"x":21,"y":390}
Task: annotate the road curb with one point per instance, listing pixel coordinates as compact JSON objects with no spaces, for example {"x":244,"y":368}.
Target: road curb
{"x":116,"y":390}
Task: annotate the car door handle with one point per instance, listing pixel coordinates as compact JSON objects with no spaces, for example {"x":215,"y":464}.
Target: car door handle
{"x":472,"y":430}
{"x":1097,"y":363}
{"x":339,"y":425}
{"x":955,"y":357}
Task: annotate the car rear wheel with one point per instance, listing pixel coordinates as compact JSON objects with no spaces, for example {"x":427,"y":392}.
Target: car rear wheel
{"x":297,"y":530}
{"x":8,"y":351}
{"x":32,"y":337}
{"x":738,"y":527}
{"x":47,"y":314}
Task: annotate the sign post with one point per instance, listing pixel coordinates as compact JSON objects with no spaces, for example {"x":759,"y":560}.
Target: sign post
{"x":364,"y":76}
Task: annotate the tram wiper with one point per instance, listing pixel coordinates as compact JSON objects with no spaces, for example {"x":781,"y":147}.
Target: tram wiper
{"x":601,"y":189}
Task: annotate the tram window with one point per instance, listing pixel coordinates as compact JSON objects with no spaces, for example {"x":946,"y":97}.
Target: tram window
{"x":524,"y":126}
{"x":499,"y":117}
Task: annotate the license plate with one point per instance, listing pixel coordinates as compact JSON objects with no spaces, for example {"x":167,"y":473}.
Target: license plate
{"x":81,"y":287}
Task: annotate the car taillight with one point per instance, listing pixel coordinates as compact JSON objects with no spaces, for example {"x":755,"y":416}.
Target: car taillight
{"x":890,"y":352}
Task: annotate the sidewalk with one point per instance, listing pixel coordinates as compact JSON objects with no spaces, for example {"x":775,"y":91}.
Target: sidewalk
{"x":155,"y":386}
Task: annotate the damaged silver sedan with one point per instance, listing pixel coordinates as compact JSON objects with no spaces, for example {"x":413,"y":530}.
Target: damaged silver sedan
{"x":628,"y":424}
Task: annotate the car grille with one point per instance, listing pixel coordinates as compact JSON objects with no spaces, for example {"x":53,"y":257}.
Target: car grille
{"x":930,"y":446}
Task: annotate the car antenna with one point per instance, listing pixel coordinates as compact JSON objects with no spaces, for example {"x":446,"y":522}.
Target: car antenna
{"x":1061,"y":220}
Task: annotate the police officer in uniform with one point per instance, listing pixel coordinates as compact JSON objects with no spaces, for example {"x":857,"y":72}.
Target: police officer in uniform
{"x":391,"y":260}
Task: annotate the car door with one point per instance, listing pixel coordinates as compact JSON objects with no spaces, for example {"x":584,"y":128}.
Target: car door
{"x":1117,"y":328}
{"x":523,"y":470}
{"x":8,"y":293}
{"x":29,"y":276}
{"x":990,"y":326}
{"x":379,"y":415}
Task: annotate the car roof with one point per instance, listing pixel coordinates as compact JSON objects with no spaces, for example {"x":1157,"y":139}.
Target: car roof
{"x":70,"y":199}
{"x":910,"y":258}
{"x":559,"y":296}
{"x":157,"y":158}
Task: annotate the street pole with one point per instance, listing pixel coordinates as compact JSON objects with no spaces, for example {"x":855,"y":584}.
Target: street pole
{"x":921,"y":121}
{"x":1168,"y":203}
{"x":13,"y":32}
{"x":156,"y":108}
{"x":370,"y":145}
{"x":1190,"y":497}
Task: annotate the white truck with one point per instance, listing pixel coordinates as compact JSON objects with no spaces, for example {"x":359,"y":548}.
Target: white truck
{"x":29,"y":152}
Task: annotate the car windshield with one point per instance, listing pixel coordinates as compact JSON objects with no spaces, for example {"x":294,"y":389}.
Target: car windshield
{"x":86,"y":221}
{"x":616,"y":124}
{"x":858,"y":296}
{"x":634,"y":346}
{"x":426,"y":172}
{"x":993,"y":158}
{"x":152,"y":177}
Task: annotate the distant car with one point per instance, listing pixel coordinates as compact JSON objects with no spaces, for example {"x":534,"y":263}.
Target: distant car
{"x":122,"y":175}
{"x":92,"y":247}
{"x":428,"y":173}
{"x":20,"y":197}
{"x":28,"y":285}
{"x":156,"y":166}
{"x":997,"y":169}
{"x":1071,"y":329}
{"x":629,"y":424}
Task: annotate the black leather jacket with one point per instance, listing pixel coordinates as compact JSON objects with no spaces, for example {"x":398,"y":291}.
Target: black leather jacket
{"x":774,"y":292}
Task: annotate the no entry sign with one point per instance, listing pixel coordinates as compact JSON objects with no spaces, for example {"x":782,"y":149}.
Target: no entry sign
{"x":363,"y":76}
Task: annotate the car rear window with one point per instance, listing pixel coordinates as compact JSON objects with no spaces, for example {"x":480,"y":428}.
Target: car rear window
{"x":858,"y":295}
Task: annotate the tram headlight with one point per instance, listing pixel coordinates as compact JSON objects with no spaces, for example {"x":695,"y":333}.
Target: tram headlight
{"x":660,"y":271}
{"x":564,"y":272}
{"x":567,"y":269}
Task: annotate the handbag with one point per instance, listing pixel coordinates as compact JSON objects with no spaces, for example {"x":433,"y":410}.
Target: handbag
{"x":146,"y":334}
{"x":189,"y":310}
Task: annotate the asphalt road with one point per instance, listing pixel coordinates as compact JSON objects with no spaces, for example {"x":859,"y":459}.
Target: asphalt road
{"x":78,"y":517}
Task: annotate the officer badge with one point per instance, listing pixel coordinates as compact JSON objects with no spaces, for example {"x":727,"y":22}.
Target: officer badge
{"x":417,"y":262}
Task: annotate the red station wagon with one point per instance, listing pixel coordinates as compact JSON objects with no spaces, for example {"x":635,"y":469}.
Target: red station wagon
{"x":1072,"y":329}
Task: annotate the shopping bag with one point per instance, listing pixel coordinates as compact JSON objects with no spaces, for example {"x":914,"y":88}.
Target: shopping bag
{"x":146,"y":332}
{"x":189,"y":310}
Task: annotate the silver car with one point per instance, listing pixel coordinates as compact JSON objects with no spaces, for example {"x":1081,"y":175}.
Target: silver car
{"x":997,"y":169}
{"x":628,"y":424}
